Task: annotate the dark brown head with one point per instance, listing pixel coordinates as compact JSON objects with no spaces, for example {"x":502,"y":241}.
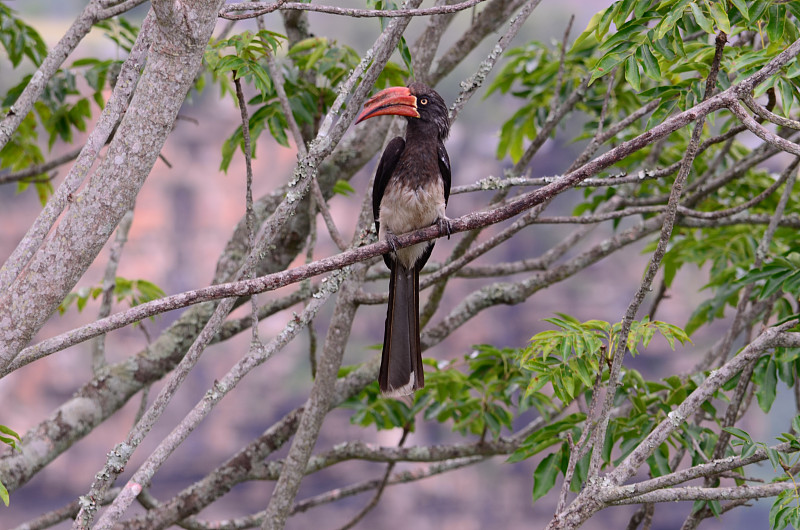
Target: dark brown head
{"x":421,"y":105}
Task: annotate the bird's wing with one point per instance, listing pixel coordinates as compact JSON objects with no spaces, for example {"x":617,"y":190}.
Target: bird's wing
{"x":385,"y":170}
{"x":444,"y":169}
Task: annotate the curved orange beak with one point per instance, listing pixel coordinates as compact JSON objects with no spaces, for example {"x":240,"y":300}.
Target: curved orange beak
{"x":396,"y":100}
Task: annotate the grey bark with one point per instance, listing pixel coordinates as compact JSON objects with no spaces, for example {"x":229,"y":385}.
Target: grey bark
{"x":179,"y":40}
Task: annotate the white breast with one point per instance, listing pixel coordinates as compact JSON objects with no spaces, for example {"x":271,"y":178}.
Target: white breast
{"x":405,"y":209}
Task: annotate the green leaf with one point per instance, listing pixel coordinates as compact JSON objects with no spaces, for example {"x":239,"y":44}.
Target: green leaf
{"x":739,"y":433}
{"x":777,"y":21}
{"x":663,"y":110}
{"x":632,"y":73}
{"x":544,"y":478}
{"x":720,"y":17}
{"x":641,"y":8}
{"x":741,"y":5}
{"x":629,"y":33}
{"x":262,"y":79}
{"x":604,"y":23}
{"x":4,"y":494}
{"x":794,"y":9}
{"x":701,"y":19}
{"x":605,"y":65}
{"x":19,"y":39}
{"x":659,"y":461}
{"x":749,"y":450}
{"x":774,"y":458}
{"x":622,"y":10}
{"x":11,"y":435}
{"x":767,"y":378}
{"x":787,"y":96}
{"x":669,"y":21}
{"x":342,"y":187}
{"x":405,"y":54}
{"x":757,"y":8}
{"x":648,"y":62}
{"x":662,"y":46}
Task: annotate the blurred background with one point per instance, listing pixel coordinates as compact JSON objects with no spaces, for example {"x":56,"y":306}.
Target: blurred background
{"x":185,"y":215}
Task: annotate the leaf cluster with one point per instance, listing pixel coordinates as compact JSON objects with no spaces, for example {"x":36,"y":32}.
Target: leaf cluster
{"x":134,"y":292}
{"x":20,"y":40}
{"x":479,"y":395}
{"x":661,"y":53}
{"x":570,"y":357}
{"x":729,"y":252}
{"x":62,"y":110}
{"x":664,"y":49}
{"x":785,"y":509}
{"x":312,"y":71}
{"x":10,"y":438}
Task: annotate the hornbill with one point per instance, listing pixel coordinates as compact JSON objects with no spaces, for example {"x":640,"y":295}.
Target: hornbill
{"x":411,"y":189}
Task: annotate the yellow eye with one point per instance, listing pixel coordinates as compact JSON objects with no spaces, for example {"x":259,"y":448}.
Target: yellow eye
{"x":423,"y":101}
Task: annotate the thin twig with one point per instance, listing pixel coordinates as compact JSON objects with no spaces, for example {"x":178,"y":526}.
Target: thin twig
{"x":312,"y":243}
{"x":379,"y":490}
{"x":109,"y":284}
{"x":561,"y":65}
{"x":277,"y":81}
{"x":263,"y":8}
{"x":233,"y":327}
{"x":322,"y":207}
{"x":38,"y":169}
{"x":475,"y":81}
{"x":578,"y":450}
{"x":694,"y":493}
{"x":59,"y":515}
{"x":250,"y":216}
{"x":767,"y":115}
{"x":762,"y":132}
{"x":402,"y":477}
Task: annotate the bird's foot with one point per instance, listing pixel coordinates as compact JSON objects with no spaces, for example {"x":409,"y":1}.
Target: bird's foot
{"x":392,"y":240}
{"x":444,"y":226}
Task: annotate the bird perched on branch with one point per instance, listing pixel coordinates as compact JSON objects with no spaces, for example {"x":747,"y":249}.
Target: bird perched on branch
{"x":411,"y":189}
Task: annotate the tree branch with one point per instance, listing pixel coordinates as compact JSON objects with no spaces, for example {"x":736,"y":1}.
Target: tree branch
{"x":263,"y":8}
{"x":694,"y":493}
{"x":475,"y":81}
{"x":108,"y":122}
{"x":109,"y":285}
{"x":762,"y":132}
{"x":652,"y":270}
{"x":38,"y":169}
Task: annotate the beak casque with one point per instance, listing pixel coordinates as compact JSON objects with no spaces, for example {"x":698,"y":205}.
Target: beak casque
{"x":397,"y":101}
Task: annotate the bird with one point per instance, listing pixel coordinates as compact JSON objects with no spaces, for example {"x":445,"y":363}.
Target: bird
{"x":410,"y":192}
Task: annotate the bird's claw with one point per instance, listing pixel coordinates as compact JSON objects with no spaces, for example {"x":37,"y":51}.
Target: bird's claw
{"x":392,"y":240}
{"x":444,"y":226}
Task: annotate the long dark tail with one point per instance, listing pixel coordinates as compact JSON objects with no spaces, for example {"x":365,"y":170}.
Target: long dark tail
{"x":401,"y":362}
